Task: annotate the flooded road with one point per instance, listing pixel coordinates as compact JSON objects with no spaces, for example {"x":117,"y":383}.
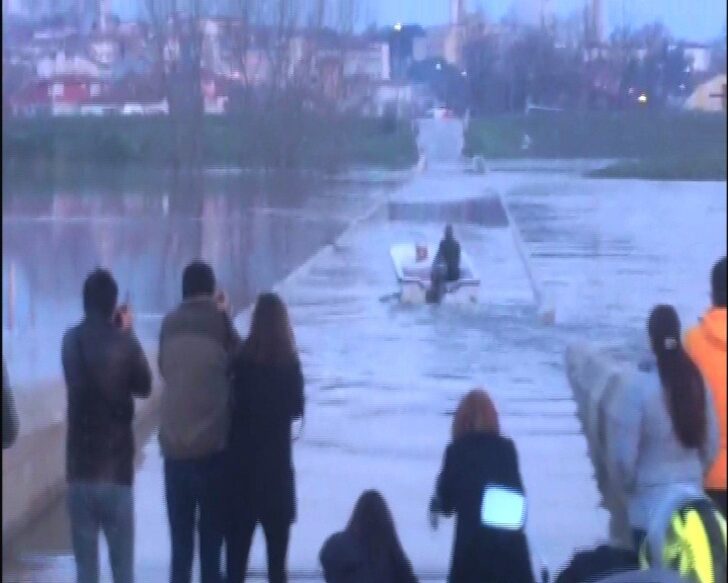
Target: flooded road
{"x":383,"y":379}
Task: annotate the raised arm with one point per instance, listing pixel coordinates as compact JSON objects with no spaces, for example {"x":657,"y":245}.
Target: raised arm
{"x":140,"y":376}
{"x":711,"y":443}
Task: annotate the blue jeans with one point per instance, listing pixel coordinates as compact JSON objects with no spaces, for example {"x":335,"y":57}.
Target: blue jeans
{"x":195,"y":499}
{"x":95,"y":507}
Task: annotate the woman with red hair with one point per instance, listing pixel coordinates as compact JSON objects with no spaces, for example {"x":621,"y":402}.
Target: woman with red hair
{"x":480,"y":483}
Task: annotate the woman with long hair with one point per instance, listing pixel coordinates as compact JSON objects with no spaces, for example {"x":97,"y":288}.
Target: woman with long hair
{"x":267,"y":391}
{"x":666,"y":432}
{"x":481,"y":484}
{"x":368,"y":550}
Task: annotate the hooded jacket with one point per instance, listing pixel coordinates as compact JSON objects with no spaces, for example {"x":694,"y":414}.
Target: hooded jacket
{"x":706,"y":345}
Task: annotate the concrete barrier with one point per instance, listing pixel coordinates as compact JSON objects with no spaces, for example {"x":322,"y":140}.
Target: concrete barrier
{"x":596,"y":379}
{"x":34,"y":468}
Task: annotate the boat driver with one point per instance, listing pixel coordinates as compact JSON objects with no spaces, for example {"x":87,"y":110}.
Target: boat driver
{"x":446,"y":266}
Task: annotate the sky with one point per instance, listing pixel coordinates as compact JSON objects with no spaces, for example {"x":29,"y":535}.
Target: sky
{"x":689,"y":19}
{"x":696,"y":20}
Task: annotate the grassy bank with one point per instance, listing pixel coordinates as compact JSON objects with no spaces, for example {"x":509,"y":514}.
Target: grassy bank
{"x":653,"y":145}
{"x":253,"y":141}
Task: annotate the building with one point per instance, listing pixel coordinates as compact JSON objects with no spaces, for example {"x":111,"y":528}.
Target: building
{"x":698,"y":56}
{"x":370,"y":60}
{"x":61,"y":95}
{"x":709,"y":96}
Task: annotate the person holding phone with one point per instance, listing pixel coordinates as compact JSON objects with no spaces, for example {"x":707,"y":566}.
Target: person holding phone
{"x":105,"y":369}
{"x":196,"y":342}
{"x":481,"y":484}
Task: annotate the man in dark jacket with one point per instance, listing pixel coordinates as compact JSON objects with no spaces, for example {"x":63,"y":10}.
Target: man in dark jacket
{"x":104,"y":368}
{"x":10,"y":415}
{"x":196,"y":342}
{"x":446,"y":265}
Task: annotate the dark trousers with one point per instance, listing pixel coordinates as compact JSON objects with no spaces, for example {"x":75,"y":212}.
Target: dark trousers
{"x":719,"y":499}
{"x":195,"y":498}
{"x":240,"y":537}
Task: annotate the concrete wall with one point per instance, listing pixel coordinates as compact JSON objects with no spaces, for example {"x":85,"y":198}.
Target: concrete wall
{"x":34,"y":471}
{"x":595,"y":380}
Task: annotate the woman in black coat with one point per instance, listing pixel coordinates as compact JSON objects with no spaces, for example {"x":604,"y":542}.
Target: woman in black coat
{"x":368,"y":551}
{"x":478,"y":460}
{"x":267,"y":394}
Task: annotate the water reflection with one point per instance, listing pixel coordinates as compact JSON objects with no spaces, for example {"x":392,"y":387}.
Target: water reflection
{"x":252,"y":228}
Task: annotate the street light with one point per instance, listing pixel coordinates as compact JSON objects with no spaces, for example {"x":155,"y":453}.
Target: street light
{"x":398,"y":27}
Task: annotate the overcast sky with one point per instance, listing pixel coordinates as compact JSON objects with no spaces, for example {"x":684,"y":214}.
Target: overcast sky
{"x":691,"y":19}
{"x":697,"y":20}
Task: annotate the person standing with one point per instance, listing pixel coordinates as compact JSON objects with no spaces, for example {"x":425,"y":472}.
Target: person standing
{"x":666,"y":433}
{"x":706,"y":345}
{"x":481,"y":483}
{"x":446,"y":265}
{"x":104,"y":369}
{"x":10,"y":414}
{"x":267,"y":398}
{"x":196,"y":342}
{"x":368,"y":549}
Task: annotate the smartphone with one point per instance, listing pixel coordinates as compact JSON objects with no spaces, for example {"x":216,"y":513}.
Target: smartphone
{"x":503,"y":508}
{"x":125,"y":306}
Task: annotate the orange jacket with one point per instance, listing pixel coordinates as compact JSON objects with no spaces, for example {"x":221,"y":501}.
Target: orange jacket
{"x":706,"y":344}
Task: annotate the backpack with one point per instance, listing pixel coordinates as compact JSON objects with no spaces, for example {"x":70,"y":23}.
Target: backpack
{"x":691,"y":541}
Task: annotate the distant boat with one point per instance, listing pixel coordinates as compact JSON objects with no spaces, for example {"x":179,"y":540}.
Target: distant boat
{"x":413,"y":271}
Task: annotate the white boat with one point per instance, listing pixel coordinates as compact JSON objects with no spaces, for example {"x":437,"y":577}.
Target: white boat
{"x":413,"y":271}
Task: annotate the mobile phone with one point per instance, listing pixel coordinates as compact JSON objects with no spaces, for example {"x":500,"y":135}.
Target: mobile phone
{"x":503,"y":508}
{"x":125,"y":306}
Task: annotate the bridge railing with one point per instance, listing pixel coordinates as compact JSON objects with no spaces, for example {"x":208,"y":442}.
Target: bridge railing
{"x":596,"y":379}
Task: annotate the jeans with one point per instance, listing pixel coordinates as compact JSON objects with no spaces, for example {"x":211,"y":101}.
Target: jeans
{"x":194,"y":491}
{"x":109,"y":508}
{"x":276,"y":541}
{"x":638,"y":537}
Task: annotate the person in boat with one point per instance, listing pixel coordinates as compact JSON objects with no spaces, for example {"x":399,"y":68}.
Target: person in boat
{"x":446,"y":265}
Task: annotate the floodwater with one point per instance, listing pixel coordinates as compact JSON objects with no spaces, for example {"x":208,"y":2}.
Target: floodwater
{"x":383,"y":379}
{"x":146,"y":226}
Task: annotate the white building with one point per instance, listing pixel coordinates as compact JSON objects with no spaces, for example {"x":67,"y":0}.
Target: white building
{"x":372,"y":61}
{"x":709,"y":96}
{"x":699,"y":57}
{"x":48,"y":67}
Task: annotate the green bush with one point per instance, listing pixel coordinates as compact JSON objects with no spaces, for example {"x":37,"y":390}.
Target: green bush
{"x":254,"y":140}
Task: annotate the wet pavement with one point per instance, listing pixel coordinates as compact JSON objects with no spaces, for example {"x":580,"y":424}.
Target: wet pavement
{"x":383,"y":379}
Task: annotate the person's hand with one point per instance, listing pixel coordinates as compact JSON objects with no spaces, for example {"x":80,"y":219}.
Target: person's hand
{"x":222,"y":301}
{"x":124,"y":318}
{"x":434,"y":513}
{"x":434,"y":519}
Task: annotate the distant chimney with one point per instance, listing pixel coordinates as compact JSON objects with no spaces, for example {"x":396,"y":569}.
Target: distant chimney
{"x":598,"y":20}
{"x":457,"y":12}
{"x":104,"y":11}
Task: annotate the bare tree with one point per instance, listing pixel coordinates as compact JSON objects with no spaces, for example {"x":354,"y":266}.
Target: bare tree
{"x":177,"y":26}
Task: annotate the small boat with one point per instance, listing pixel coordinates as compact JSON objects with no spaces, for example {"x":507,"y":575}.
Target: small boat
{"x":413,"y":267}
